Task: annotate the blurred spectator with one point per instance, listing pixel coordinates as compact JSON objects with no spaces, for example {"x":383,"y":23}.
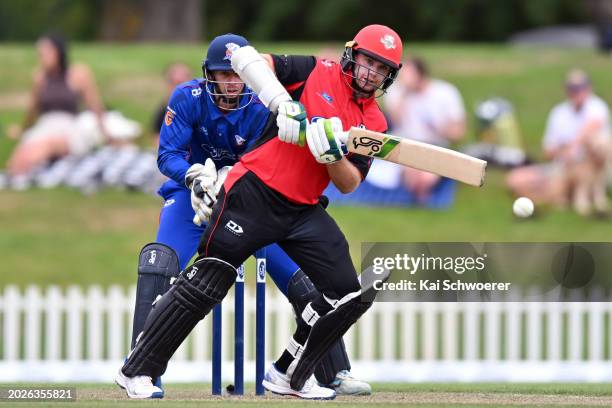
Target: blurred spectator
{"x":175,"y":74}
{"x":577,"y":141}
{"x":50,"y":129}
{"x":427,"y":110}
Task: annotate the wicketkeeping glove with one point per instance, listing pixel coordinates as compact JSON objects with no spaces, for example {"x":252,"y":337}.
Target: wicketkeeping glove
{"x":204,"y":210}
{"x":292,"y":122}
{"x":323,"y":140}
{"x":201,"y":179}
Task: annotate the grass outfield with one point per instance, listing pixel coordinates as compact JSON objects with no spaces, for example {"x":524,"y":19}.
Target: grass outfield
{"x":400,"y":395}
{"x":62,"y":237}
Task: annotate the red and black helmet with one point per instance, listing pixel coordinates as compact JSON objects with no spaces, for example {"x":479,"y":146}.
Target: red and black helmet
{"x":378,"y":42}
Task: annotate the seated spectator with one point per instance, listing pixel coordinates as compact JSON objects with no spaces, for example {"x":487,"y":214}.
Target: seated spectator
{"x":577,"y":142}
{"x":427,"y":110}
{"x":175,"y":74}
{"x":50,"y":129}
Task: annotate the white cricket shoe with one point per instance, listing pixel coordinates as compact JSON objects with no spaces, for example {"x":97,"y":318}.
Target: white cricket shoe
{"x":279,"y":383}
{"x":346,"y":384}
{"x":140,"y":386}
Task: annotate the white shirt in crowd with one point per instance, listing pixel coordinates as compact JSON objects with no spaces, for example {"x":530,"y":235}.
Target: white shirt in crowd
{"x":564,"y":122}
{"x":425,"y":113}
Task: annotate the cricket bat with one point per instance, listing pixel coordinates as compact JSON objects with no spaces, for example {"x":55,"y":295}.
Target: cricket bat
{"x":422,"y":156}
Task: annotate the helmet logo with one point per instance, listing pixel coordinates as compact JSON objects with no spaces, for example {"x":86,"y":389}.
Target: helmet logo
{"x":388,"y":41}
{"x":230,"y":48}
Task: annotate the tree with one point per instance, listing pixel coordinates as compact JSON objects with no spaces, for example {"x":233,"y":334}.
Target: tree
{"x":152,"y":20}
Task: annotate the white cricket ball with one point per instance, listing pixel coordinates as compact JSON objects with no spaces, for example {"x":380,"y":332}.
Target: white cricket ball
{"x":522,"y":207}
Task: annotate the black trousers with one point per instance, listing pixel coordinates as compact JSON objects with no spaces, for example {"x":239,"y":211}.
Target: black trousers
{"x":251,"y":215}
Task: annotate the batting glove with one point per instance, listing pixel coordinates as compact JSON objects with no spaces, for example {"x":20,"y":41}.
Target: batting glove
{"x":292,"y":122}
{"x":323,"y":141}
{"x":204,"y":210}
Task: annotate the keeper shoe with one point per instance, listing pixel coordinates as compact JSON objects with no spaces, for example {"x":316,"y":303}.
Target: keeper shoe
{"x":346,"y":384}
{"x":279,"y":383}
{"x":138,"y":387}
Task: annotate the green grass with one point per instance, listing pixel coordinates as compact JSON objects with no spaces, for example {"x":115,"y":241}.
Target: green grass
{"x":62,"y":237}
{"x":385,"y":394}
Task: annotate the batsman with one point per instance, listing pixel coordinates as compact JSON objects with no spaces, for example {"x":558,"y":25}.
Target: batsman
{"x":210,"y":122}
{"x":272,"y":196}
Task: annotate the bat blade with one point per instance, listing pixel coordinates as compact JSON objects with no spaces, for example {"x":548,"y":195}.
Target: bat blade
{"x":422,"y":156}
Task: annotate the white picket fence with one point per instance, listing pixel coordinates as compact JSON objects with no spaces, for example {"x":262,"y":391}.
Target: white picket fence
{"x":84,"y":335}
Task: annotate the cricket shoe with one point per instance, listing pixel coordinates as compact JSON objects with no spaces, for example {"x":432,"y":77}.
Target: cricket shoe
{"x":140,"y":386}
{"x":346,"y":384}
{"x":279,"y":383}
{"x":156,"y":381}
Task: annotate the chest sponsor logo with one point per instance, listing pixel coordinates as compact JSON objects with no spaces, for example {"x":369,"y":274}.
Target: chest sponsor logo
{"x":239,"y":140}
{"x":327,"y":98}
{"x":234,"y":228}
{"x":217,"y":153}
{"x":169,"y":116}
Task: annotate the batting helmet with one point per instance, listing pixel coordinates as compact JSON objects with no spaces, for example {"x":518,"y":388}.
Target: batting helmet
{"x":378,"y":42}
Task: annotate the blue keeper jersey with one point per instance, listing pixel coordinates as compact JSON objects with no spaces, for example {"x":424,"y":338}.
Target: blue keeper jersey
{"x":195,"y":129}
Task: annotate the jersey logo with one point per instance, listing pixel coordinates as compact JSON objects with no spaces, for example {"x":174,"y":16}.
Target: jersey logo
{"x":326,"y":63}
{"x":388,"y":41}
{"x":169,"y":116}
{"x":239,"y":140}
{"x":327,"y":98}
{"x":218,"y":154}
{"x":196,"y":92}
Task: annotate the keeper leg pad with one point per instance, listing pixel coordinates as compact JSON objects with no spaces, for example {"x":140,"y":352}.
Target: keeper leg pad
{"x":196,"y":291}
{"x":157,"y":265}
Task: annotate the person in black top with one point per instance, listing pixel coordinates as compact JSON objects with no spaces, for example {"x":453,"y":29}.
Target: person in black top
{"x":50,"y":129}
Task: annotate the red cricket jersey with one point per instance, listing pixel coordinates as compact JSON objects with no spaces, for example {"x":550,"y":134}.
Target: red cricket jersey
{"x":292,"y":170}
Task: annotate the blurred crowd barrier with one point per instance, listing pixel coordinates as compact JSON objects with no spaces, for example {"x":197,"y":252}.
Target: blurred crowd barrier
{"x":83,"y":335}
{"x":125,"y":166}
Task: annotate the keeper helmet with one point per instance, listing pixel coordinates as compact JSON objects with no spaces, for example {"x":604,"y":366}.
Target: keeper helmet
{"x":218,"y":59}
{"x":218,"y":55}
